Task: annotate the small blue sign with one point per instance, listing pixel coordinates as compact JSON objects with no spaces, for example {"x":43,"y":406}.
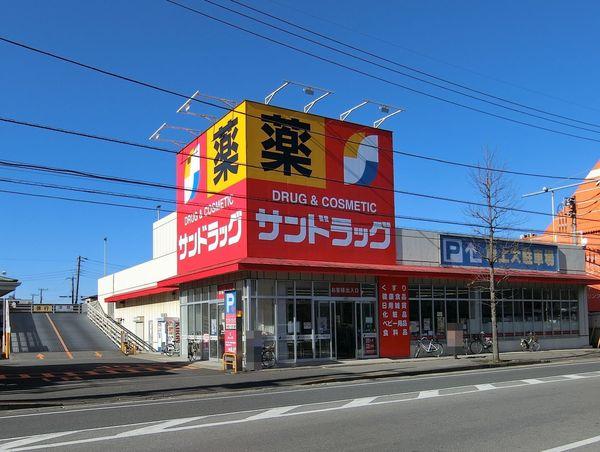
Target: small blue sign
{"x":230,"y":302}
{"x":472,"y":252}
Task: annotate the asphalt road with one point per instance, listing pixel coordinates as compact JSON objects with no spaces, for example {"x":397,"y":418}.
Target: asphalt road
{"x":530,"y":408}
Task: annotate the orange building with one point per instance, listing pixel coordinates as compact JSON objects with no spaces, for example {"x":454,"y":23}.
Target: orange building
{"x":577,"y":221}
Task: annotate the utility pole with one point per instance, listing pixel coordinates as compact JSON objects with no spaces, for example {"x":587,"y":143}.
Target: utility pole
{"x":42,"y":295}
{"x":72,"y":278}
{"x":158,"y":212}
{"x":571,"y":211}
{"x":76,"y":296}
{"x":78,"y":277}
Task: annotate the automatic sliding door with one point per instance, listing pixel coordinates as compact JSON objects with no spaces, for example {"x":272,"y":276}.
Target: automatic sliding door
{"x":366,"y":332}
{"x":323,"y":327}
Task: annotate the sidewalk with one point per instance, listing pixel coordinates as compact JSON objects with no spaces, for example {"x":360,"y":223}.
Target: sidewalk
{"x":177,"y":378}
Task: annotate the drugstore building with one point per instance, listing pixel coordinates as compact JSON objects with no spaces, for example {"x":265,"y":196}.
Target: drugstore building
{"x":284,"y":234}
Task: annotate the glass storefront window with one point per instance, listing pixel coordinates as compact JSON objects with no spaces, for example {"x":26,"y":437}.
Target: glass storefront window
{"x":265,"y":316}
{"x":198,"y":319}
{"x":413,"y":312}
{"x":285,"y":329}
{"x":556,"y":315}
{"x":285,"y":288}
{"x":266,"y":288}
{"x":440,"y":318}
{"x":518,"y":316}
{"x":426,"y":317}
{"x":538,"y":326}
{"x":463,"y":315}
{"x":304,"y":329}
{"x":191,"y":326}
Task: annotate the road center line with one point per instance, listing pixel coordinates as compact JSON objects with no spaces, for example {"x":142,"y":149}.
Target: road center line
{"x":69,"y":354}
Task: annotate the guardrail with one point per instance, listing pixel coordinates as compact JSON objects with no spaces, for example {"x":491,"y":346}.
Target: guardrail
{"x":45,"y":308}
{"x":116,"y":332}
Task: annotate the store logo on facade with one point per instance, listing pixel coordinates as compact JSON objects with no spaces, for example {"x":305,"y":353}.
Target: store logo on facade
{"x":191,"y":175}
{"x":361,"y":159}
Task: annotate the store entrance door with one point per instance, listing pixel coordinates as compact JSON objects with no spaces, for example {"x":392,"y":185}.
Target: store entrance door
{"x":366,"y":332}
{"x":345,"y":330}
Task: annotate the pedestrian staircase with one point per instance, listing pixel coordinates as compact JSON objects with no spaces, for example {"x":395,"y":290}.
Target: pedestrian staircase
{"x":116,"y":332}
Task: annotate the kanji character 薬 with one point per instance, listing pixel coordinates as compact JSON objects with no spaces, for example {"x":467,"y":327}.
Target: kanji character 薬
{"x":286,"y":146}
{"x":226,"y":148}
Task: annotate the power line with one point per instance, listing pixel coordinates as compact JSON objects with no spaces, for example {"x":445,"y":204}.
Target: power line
{"x":227,"y":109}
{"x":272,"y":16}
{"x":435,"y":59}
{"x":381,"y":79}
{"x":249,"y":211}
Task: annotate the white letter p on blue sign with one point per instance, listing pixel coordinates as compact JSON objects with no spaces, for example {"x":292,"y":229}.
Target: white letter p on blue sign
{"x":453,"y":252}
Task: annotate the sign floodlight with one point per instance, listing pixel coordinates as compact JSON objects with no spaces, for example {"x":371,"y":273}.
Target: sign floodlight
{"x":387,"y":109}
{"x":157,"y":135}
{"x":306,"y":89}
{"x":187,"y":106}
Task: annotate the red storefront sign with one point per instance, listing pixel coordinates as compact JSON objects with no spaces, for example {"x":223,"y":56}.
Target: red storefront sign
{"x":345,"y":289}
{"x":267,"y":182}
{"x":394,"y":330}
{"x":593,"y":294}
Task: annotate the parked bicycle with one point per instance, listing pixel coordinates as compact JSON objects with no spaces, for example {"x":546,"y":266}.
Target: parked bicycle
{"x":480,"y":343}
{"x":431,"y":346}
{"x":530,"y":343}
{"x":194,"y":350}
{"x":268,"y":356}
{"x":170,"y":349}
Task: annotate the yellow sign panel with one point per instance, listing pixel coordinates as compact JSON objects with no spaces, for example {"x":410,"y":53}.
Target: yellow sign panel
{"x":42,"y":308}
{"x":285,"y":146}
{"x":226,"y":151}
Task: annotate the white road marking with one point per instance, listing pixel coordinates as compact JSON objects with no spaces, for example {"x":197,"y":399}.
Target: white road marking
{"x":485,"y":387}
{"x":259,"y":393}
{"x":33,"y":439}
{"x":428,"y":394}
{"x":571,"y":446}
{"x":174,"y":425}
{"x":574,"y":376}
{"x":359,"y":402}
{"x":273,"y":412}
{"x":158,"y":427}
{"x":533,"y":381}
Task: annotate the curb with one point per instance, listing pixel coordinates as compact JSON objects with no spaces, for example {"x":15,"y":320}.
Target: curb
{"x":7,"y":405}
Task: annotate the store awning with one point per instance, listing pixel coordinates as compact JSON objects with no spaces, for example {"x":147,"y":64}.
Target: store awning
{"x":153,"y":290}
{"x":410,"y":271}
{"x":413,"y":271}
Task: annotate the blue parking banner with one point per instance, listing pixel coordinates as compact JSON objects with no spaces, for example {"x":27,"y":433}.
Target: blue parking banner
{"x":471,"y":252}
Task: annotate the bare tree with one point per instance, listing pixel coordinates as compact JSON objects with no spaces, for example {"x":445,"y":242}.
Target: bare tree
{"x":495,"y":216}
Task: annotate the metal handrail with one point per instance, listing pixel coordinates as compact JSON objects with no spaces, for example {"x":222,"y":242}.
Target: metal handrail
{"x":113,"y":329}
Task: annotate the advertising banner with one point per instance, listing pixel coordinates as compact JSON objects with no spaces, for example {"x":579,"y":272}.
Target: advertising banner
{"x":394,"y":330}
{"x":269,"y":182}
{"x":318,"y":188}
{"x":473,"y":252}
{"x":211,"y":196}
{"x":231,"y":333}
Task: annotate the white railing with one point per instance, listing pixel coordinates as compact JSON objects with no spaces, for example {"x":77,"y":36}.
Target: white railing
{"x":114,"y":330}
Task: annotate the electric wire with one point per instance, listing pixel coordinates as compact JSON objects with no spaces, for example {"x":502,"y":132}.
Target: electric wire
{"x":229,"y":110}
{"x":382,"y":79}
{"x":403,"y":66}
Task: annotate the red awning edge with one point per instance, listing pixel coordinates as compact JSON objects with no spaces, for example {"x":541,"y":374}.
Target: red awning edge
{"x":153,"y":290}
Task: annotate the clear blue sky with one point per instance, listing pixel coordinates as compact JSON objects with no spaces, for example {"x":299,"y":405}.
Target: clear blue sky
{"x":549,"y":48}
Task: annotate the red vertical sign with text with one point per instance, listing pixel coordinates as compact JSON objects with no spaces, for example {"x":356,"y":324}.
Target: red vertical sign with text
{"x":394,"y":332}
